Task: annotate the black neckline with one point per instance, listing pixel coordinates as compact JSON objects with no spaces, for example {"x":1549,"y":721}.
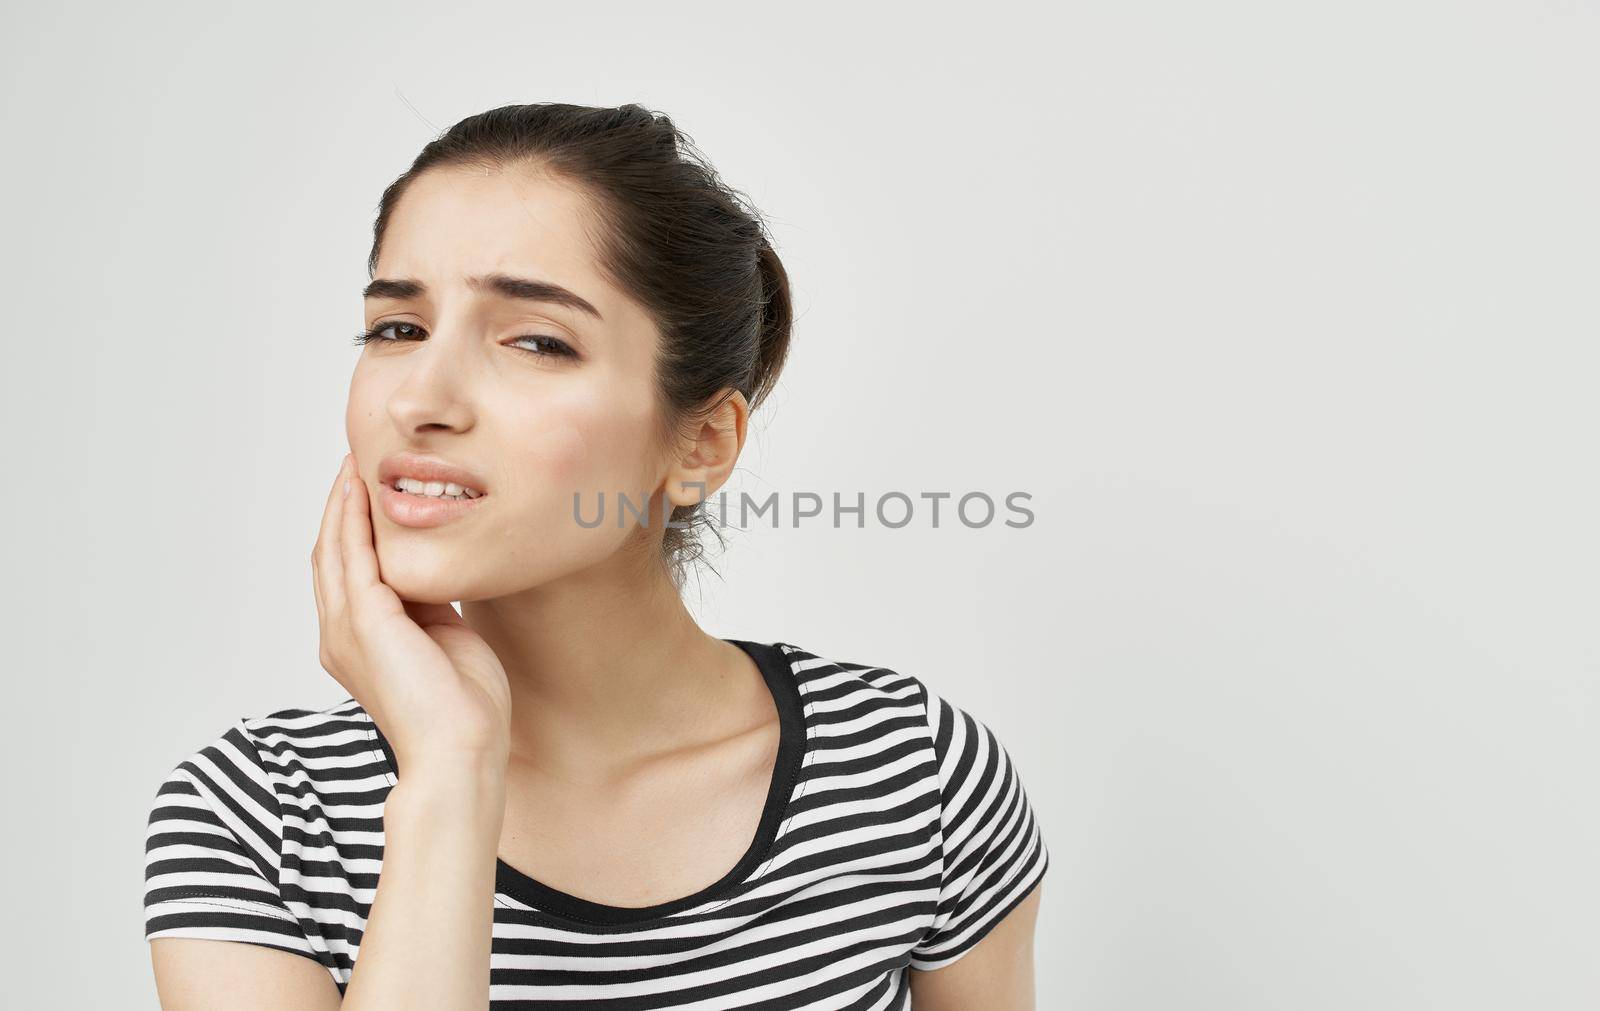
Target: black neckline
{"x":778,"y":674}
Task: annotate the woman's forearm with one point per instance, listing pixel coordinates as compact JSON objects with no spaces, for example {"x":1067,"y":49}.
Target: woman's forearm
{"x":428,"y":934}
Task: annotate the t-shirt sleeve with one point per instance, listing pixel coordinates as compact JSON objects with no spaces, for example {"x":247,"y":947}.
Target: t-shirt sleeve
{"x":994,"y":852}
{"x":211,"y":851}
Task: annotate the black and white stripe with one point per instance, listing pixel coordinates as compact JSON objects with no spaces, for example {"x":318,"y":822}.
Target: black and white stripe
{"x":906,"y":836}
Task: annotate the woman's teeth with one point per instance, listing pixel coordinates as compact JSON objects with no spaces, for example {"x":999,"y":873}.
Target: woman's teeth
{"x":435,"y":489}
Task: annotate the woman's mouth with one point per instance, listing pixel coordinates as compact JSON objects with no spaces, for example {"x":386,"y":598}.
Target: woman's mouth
{"x":413,"y":503}
{"x":435,"y":489}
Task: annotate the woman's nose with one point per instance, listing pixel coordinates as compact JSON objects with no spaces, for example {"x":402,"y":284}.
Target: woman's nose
{"x":434,"y":393}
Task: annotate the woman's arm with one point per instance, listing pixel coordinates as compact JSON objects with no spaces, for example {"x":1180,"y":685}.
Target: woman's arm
{"x":427,"y":938}
{"x":997,"y":974}
{"x":200,"y":974}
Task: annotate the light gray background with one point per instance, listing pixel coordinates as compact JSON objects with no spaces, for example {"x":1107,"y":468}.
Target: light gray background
{"x":1284,"y":314}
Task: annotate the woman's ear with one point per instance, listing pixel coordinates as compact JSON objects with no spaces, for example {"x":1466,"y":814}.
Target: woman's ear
{"x":707,"y":455}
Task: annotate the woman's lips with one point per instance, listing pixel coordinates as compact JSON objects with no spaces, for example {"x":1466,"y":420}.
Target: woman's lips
{"x":410,"y":510}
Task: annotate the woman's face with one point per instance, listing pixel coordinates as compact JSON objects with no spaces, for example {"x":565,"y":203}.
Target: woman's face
{"x":537,"y":400}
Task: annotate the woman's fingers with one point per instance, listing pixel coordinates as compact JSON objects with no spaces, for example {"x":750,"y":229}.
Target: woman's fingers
{"x":358,"y":556}
{"x":326,"y":570}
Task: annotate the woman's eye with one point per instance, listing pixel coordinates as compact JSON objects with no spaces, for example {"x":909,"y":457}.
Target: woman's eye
{"x":545,"y":345}
{"x":550,"y":346}
{"x":372,"y":335}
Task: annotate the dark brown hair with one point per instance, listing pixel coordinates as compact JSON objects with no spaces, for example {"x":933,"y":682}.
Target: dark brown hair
{"x":691,"y":250}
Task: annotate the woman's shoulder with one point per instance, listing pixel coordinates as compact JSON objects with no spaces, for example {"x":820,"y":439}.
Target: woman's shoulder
{"x":990,"y":844}
{"x":268,"y":775}
{"x":337,"y":742}
{"x":337,"y":736}
{"x":265,"y":833}
{"x":905,"y":714}
{"x":973,"y":765}
{"x":836,"y":681}
{"x":830,"y":675}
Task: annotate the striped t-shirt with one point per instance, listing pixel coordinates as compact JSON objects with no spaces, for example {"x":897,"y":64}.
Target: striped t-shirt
{"x":896,"y":833}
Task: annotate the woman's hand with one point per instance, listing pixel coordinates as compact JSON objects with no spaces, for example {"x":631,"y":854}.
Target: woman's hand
{"x":433,"y":685}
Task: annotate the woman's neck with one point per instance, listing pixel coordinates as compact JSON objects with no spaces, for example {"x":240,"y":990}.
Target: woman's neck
{"x":605,"y":674}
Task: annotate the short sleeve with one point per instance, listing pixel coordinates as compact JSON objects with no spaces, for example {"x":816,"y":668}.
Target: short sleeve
{"x":994,"y":852}
{"x":211,"y":851}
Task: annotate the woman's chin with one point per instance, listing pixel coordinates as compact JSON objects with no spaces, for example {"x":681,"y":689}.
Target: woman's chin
{"x":420,"y":574}
{"x":427,"y":591}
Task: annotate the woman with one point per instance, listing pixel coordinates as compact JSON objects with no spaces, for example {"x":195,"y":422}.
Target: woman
{"x":570,"y":316}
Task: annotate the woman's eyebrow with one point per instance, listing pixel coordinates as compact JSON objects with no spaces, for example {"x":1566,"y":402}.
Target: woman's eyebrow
{"x":521,"y":288}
